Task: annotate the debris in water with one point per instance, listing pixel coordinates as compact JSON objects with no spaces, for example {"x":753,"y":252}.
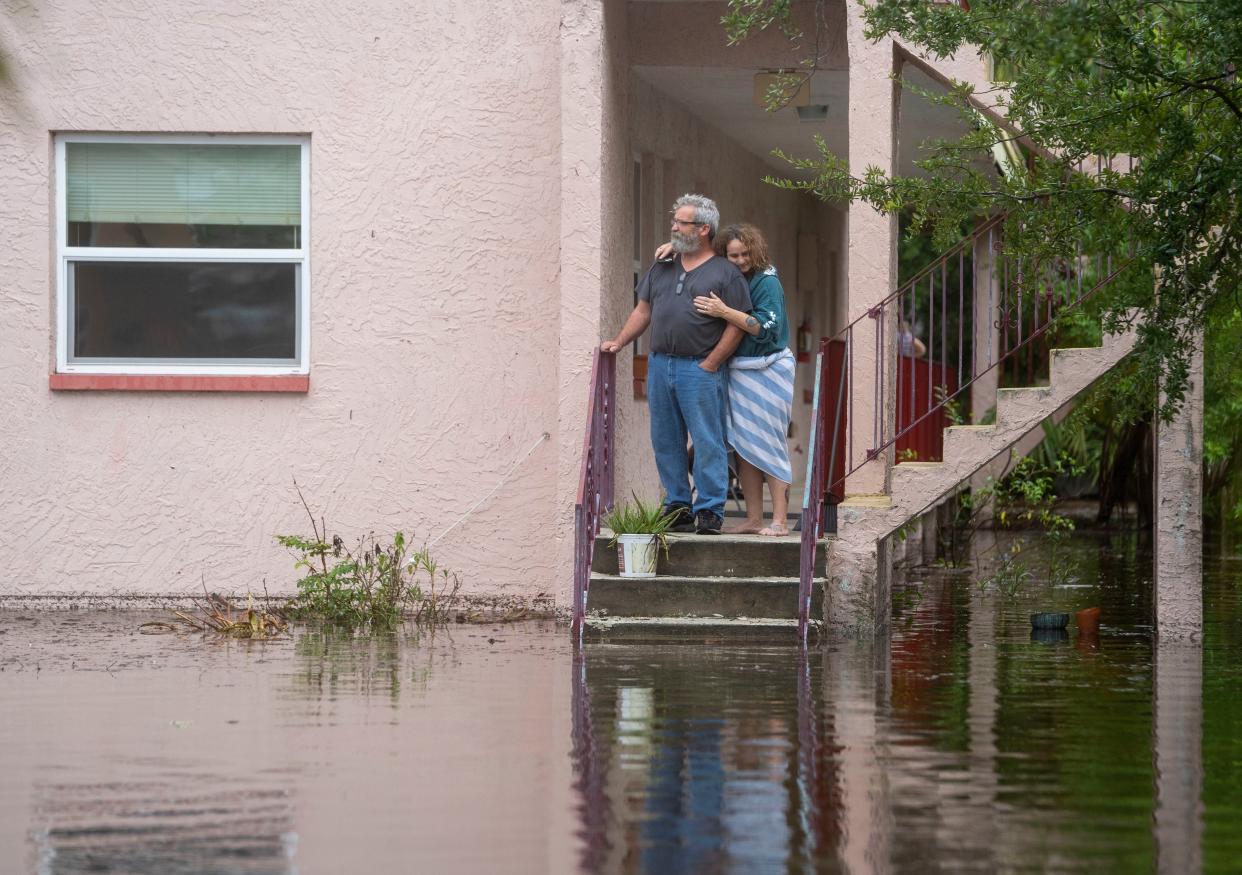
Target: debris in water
{"x":216,"y":614}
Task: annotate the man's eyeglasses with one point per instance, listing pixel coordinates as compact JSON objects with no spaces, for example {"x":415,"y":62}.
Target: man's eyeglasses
{"x":677,"y":221}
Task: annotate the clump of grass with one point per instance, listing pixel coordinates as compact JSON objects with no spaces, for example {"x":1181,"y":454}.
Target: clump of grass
{"x":373,"y":585}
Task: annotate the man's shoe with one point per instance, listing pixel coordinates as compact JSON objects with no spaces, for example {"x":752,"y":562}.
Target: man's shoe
{"x":684,"y":521}
{"x":707,"y":523}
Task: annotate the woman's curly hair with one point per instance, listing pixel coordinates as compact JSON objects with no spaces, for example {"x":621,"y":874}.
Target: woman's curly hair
{"x":750,"y":237}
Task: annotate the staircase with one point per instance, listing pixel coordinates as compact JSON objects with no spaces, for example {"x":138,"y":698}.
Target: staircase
{"x":857,"y":592}
{"x":735,"y":587}
{"x":917,"y":486}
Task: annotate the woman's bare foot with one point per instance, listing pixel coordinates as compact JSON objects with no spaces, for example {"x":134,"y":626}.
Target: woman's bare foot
{"x":775,"y":530}
{"x":749,"y":527}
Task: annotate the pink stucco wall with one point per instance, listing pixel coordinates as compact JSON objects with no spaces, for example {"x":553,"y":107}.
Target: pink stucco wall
{"x":471,"y":243}
{"x":438,"y":336}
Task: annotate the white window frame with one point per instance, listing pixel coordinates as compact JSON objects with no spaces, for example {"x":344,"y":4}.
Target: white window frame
{"x":65,"y":254}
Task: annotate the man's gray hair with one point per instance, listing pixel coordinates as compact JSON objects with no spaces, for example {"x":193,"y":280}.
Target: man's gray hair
{"x":705,"y":210}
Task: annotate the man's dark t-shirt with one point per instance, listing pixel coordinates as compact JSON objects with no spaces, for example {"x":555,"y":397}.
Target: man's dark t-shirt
{"x":676,"y":327}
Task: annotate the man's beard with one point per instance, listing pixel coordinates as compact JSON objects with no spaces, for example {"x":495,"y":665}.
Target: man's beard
{"x":684,"y":244}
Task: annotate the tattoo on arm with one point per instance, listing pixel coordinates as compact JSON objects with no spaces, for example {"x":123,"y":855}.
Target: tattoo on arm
{"x":751,"y":321}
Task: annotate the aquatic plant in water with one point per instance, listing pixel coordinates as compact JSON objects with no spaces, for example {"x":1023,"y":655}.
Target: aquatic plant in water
{"x":220,"y":616}
{"x":373,"y":585}
{"x":214,"y":614}
{"x":1025,"y":499}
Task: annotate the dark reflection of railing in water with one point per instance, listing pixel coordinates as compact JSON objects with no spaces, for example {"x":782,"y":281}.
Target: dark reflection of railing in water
{"x":590,"y":769}
{"x":818,"y":797}
{"x":807,"y":772}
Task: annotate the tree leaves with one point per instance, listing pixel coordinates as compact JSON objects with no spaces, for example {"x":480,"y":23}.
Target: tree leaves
{"x":1137,"y":121}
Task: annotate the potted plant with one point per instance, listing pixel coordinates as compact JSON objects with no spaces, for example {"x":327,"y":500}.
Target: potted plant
{"x":639,"y":530}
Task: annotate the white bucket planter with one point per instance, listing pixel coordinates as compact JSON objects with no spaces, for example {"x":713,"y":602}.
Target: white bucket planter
{"x":636,"y":555}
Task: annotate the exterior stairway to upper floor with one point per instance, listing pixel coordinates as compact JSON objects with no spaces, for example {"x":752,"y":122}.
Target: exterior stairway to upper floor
{"x":864,"y":521}
{"x":987,"y":316}
{"x":916,"y":486}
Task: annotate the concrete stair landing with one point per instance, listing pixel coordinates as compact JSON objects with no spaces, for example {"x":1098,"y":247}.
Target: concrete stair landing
{"x":734,"y":587}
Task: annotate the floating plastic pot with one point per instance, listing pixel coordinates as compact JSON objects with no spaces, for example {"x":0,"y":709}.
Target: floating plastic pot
{"x":1049,"y":621}
{"x":1088,"y":621}
{"x":1049,"y":636}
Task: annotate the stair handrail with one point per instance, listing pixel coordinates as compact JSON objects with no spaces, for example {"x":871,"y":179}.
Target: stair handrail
{"x":948,"y":398}
{"x":812,"y":522}
{"x":823,"y":442}
{"x":596,"y":479}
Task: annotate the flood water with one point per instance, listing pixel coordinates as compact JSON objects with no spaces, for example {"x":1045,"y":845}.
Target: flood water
{"x":965,"y":744}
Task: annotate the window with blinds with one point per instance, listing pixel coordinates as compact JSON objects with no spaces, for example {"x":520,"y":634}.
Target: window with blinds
{"x":182,"y":254}
{"x":168,"y":195}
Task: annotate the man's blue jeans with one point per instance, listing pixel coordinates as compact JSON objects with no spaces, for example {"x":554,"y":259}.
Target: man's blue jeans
{"x":683,"y":398}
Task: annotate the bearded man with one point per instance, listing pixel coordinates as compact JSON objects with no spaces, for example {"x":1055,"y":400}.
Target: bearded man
{"x":686,"y":389}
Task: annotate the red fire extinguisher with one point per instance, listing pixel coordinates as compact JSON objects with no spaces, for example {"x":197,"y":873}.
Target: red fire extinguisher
{"x":804,"y":340}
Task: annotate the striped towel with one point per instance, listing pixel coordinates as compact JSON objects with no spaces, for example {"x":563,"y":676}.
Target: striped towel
{"x":760,"y":402}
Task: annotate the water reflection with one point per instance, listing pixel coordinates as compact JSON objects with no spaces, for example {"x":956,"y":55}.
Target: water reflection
{"x":332,"y":663}
{"x":1177,"y":725}
{"x":961,"y":745}
{"x":186,"y":824}
{"x":677,"y":772}
{"x":326,"y":754}
{"x":967,"y":744}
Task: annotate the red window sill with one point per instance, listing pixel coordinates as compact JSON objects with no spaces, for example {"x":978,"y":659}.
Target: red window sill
{"x":177,"y":383}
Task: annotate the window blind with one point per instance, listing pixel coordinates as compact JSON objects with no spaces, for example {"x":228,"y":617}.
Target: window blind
{"x":168,"y":183}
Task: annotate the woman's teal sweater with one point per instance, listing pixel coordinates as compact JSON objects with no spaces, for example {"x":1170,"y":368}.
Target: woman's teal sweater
{"x":767,"y":301}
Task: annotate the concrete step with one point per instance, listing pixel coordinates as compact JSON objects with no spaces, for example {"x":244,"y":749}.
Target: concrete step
{"x":706,"y":597}
{"x":721,"y":556}
{"x":693,"y":630}
{"x":1017,"y":407}
{"x":958,"y":438}
{"x":909,"y":474}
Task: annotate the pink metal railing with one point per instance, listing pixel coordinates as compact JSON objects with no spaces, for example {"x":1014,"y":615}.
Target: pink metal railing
{"x":937,"y":309}
{"x":596,"y":482}
{"x":812,"y":497}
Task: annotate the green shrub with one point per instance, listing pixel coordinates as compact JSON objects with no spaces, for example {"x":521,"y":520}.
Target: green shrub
{"x":374,"y":585}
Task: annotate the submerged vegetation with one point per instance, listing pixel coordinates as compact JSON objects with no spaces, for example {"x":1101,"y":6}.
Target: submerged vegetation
{"x":231,"y":621}
{"x":373,"y":585}
{"x":1023,"y":500}
{"x":218,"y":616}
